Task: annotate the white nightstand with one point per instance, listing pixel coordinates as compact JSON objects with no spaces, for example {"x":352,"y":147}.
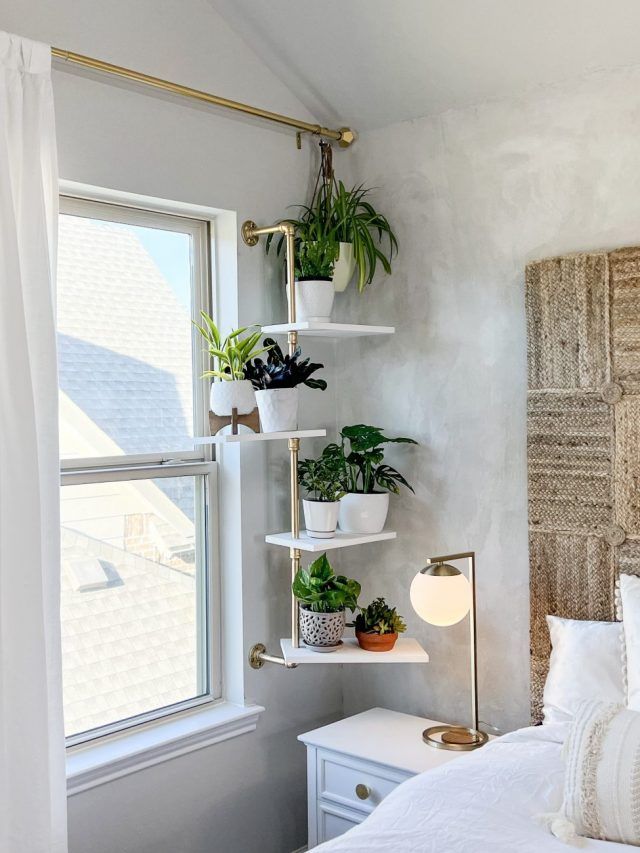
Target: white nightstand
{"x":353,"y":764}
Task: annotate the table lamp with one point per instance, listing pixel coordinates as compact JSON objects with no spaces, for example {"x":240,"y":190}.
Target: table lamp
{"x":441,"y":595}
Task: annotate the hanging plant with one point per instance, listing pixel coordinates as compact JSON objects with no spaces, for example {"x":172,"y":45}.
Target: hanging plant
{"x":345,"y":216}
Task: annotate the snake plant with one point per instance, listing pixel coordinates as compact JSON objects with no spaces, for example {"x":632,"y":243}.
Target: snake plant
{"x":229,"y":355}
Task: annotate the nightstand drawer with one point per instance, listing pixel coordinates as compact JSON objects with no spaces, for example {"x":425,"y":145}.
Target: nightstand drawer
{"x":356,"y":784}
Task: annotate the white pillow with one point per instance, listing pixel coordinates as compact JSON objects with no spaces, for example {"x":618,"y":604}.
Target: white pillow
{"x":629,"y":590}
{"x":602,"y":783}
{"x":585,"y":663}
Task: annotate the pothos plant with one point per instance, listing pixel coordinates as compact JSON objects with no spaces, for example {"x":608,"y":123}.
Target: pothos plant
{"x":319,"y":590}
{"x":379,"y":618}
{"x":229,"y":355}
{"x":361,"y":455}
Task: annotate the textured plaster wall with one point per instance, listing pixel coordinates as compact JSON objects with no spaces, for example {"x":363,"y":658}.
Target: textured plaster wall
{"x":474,"y":195}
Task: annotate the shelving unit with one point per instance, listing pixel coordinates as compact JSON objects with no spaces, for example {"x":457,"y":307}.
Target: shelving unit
{"x":407,"y":650}
{"x":304,"y":542}
{"x":328,"y":330}
{"x":248,"y":437}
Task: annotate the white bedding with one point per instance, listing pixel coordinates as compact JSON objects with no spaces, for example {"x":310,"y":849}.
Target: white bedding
{"x":487,"y":801}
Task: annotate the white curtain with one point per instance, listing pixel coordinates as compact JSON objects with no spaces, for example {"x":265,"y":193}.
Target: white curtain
{"x":32,"y":772}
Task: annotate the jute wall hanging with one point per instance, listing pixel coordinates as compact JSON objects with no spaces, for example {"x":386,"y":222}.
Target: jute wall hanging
{"x":583,"y":324}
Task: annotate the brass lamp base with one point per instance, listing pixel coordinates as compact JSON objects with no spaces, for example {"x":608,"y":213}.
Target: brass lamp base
{"x":454,"y":737}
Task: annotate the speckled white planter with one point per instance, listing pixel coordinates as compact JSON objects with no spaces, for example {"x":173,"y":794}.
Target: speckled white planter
{"x":278,"y":409}
{"x":363,"y":513}
{"x":314,"y":300}
{"x":322,"y":630}
{"x":238,"y":394}
{"x":344,"y":267}
{"x":321,"y":518}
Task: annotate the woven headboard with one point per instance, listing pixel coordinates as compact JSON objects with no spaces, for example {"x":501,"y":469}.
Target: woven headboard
{"x":583,"y":425}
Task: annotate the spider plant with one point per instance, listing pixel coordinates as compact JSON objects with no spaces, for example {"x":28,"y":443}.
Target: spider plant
{"x":346,"y":215}
{"x":230,"y":355}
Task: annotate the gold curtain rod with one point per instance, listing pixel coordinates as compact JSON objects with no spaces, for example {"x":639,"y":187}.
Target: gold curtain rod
{"x":344,"y":137}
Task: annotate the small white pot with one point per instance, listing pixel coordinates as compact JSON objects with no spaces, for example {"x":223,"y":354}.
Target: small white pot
{"x":236,"y":394}
{"x":321,"y":518}
{"x":344,"y":267}
{"x":314,"y":300}
{"x":278,"y":409}
{"x":363,"y":513}
{"x":322,"y":631}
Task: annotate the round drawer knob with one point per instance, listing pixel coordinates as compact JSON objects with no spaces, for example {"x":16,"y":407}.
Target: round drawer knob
{"x":363,"y":792}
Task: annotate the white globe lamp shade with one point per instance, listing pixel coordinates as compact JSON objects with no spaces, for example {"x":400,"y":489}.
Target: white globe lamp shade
{"x":440,"y":599}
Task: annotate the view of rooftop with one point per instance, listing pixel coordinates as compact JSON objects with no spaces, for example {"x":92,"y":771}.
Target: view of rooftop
{"x":129,"y":574}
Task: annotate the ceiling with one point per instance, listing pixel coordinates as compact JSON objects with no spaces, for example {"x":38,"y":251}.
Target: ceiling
{"x":370,"y":63}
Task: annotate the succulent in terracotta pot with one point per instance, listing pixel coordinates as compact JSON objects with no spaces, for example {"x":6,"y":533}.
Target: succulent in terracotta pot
{"x":377,"y":626}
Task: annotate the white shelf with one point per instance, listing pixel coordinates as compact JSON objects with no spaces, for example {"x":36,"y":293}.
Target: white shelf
{"x":244,"y":437}
{"x":328,"y":330}
{"x":341,"y":540}
{"x":406,"y":650}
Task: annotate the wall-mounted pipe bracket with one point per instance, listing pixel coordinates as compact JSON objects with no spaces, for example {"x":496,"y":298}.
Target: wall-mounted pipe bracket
{"x":258,"y":657}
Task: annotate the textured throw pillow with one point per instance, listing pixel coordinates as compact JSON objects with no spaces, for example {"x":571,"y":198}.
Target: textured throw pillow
{"x":602,"y":780}
{"x":628,"y":595}
{"x":585,"y":664}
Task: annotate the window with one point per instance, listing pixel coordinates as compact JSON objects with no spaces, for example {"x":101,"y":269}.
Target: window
{"x":139,"y":597}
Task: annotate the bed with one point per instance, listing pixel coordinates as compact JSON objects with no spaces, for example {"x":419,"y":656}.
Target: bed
{"x":489,"y":801}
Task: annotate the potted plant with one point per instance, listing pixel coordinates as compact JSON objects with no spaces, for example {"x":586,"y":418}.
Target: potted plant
{"x":228,"y":359}
{"x":276,"y":384}
{"x":323,"y":598}
{"x":315,"y":258}
{"x":364,"y":507}
{"x":364,"y":236}
{"x":323,"y":478}
{"x":377,"y":626}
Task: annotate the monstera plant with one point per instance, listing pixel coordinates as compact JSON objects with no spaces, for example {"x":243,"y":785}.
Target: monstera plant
{"x":367,"y":478}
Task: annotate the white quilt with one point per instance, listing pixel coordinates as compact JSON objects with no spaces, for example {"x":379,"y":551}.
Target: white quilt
{"x":487,"y":801}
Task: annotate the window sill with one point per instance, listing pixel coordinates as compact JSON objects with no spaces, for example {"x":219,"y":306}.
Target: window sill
{"x":109,"y":758}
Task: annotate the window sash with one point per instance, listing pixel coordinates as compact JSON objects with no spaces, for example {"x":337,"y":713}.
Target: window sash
{"x":202,"y":299}
{"x":208,"y":604}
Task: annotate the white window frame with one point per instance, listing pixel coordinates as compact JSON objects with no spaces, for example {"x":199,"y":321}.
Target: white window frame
{"x":170,"y":463}
{"x":145,"y":744}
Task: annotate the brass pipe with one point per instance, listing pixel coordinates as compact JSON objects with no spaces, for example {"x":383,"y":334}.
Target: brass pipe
{"x":251,"y":234}
{"x":294,"y":553}
{"x":344,"y":136}
{"x":258,"y":657}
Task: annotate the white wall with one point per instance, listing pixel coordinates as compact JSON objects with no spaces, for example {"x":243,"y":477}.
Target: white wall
{"x":475,"y":194}
{"x":248,"y":793}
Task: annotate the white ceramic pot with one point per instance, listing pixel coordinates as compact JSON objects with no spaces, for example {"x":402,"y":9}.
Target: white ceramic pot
{"x":237,"y":394}
{"x":344,"y":267}
{"x":321,"y":518}
{"x":278,"y":409}
{"x":363,"y":513}
{"x":314,"y":300}
{"x":322,"y":631}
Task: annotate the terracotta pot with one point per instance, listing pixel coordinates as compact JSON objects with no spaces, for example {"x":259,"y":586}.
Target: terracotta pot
{"x":376,"y":642}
